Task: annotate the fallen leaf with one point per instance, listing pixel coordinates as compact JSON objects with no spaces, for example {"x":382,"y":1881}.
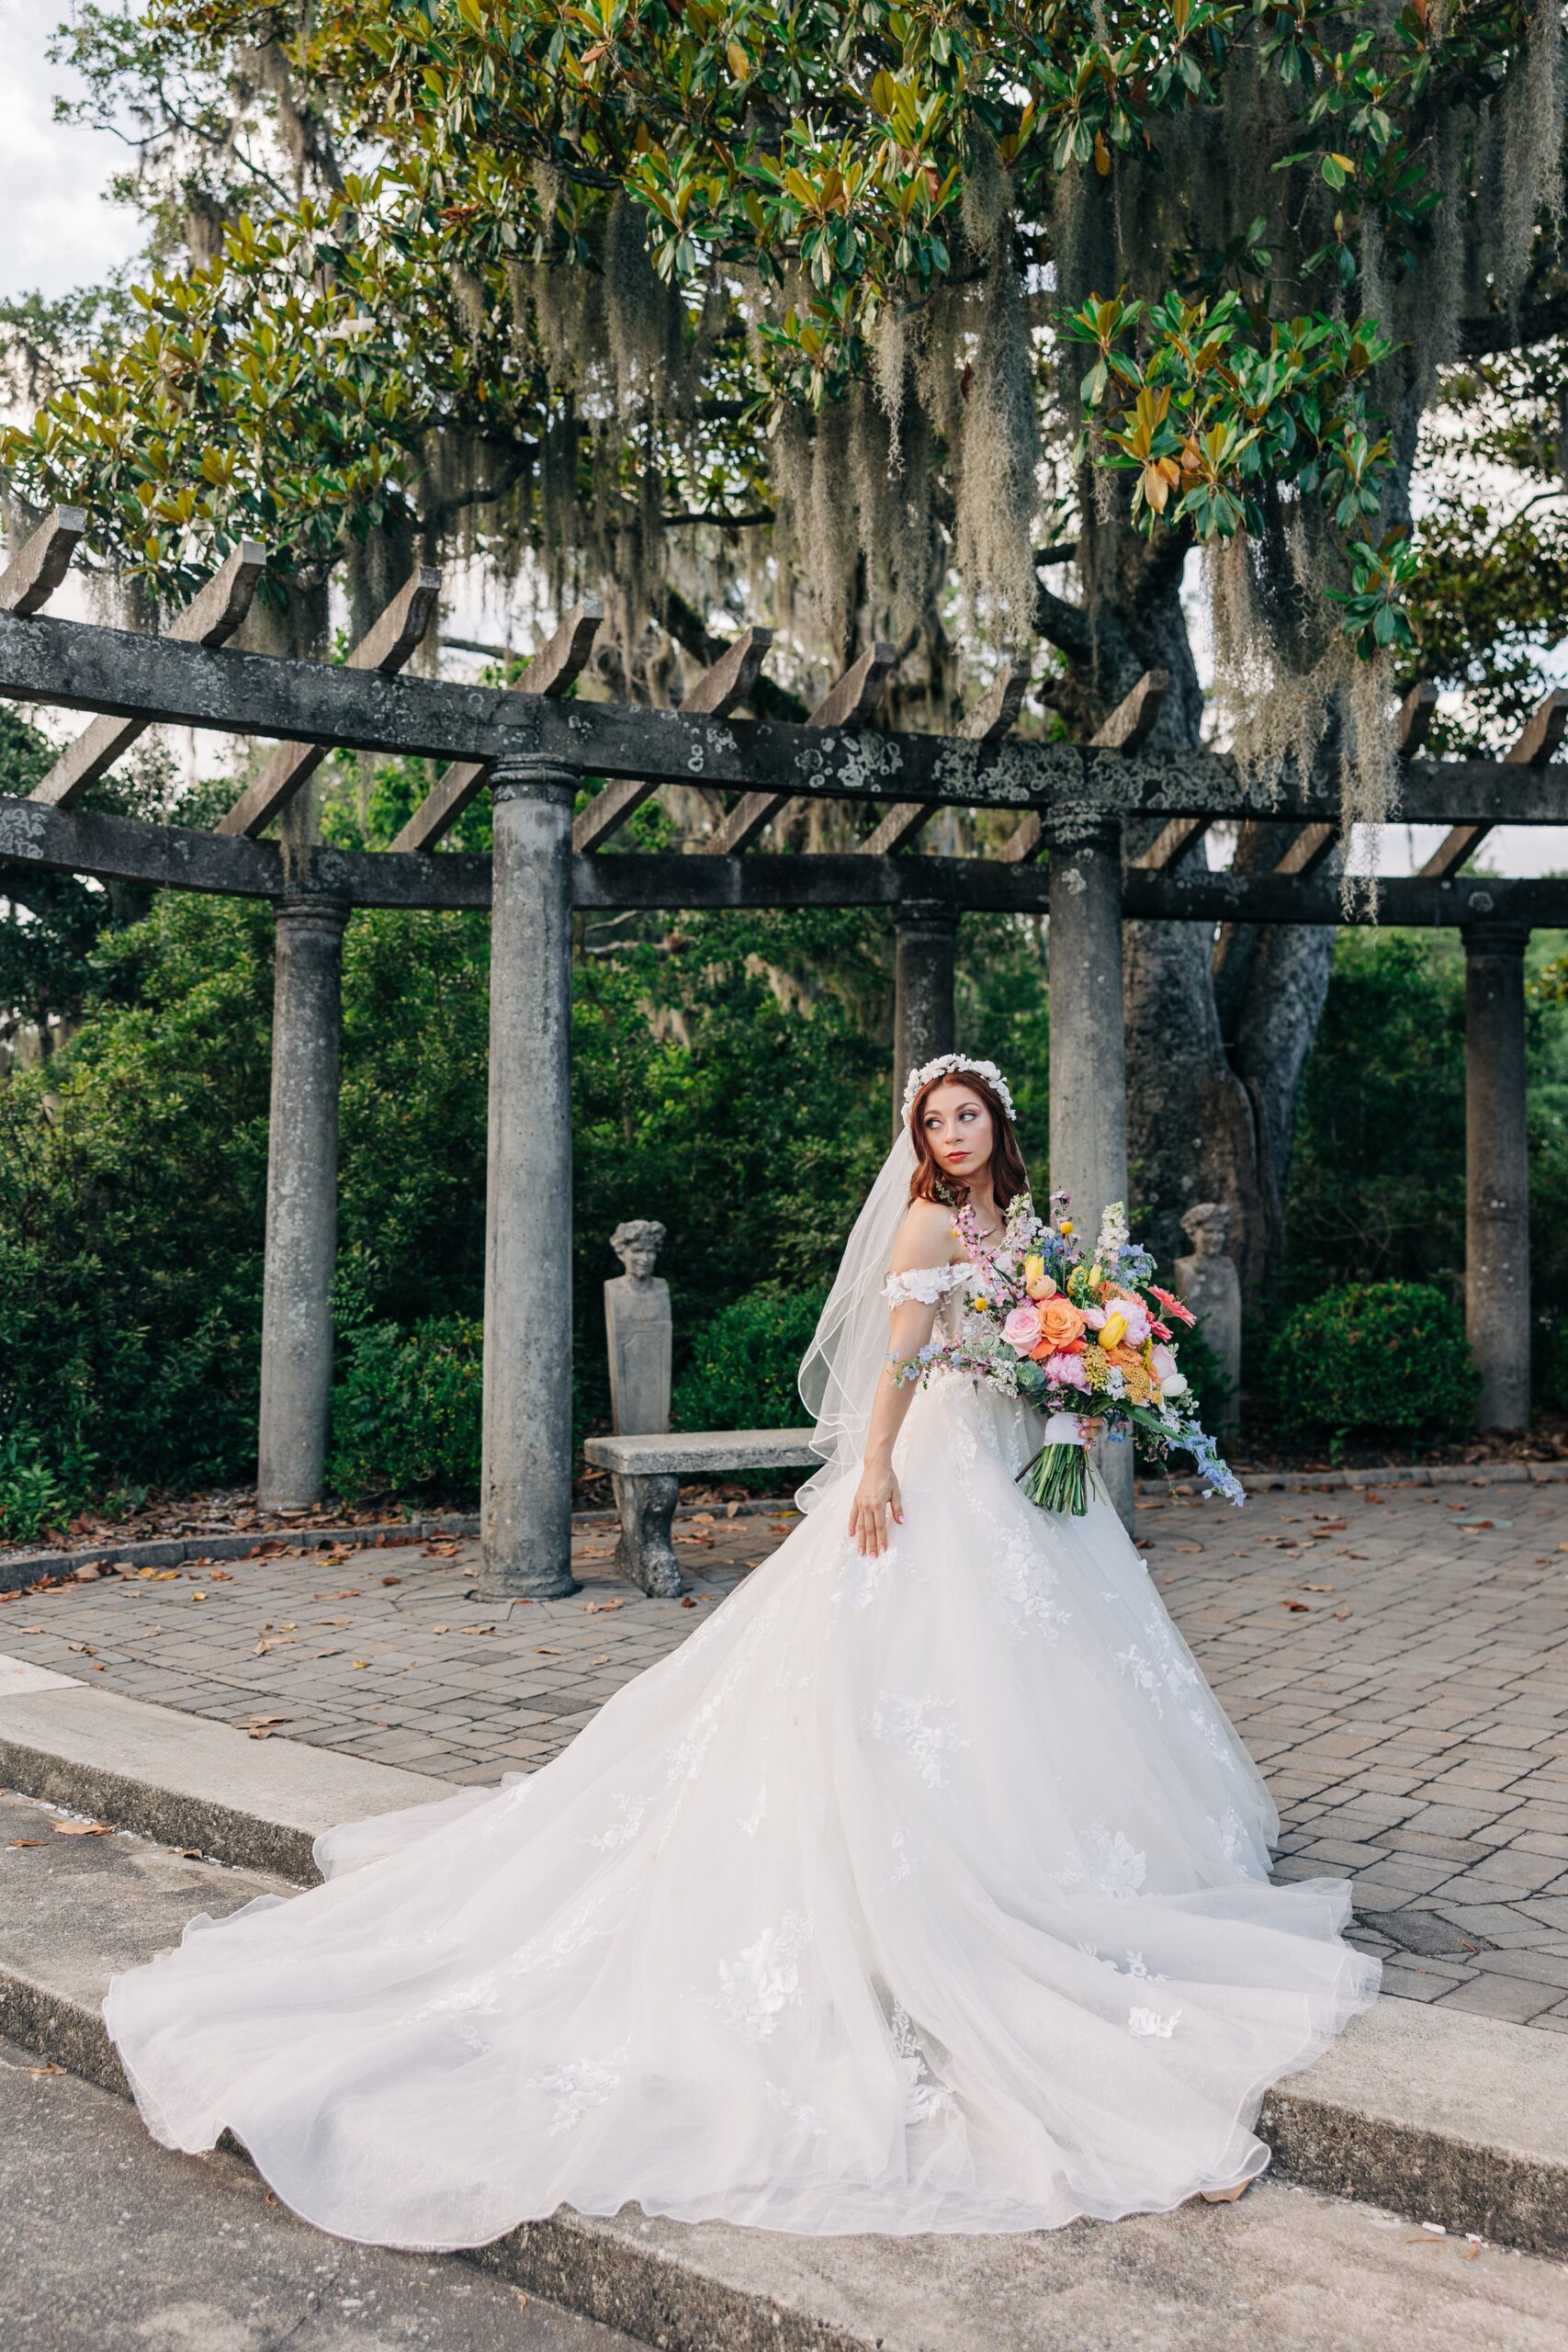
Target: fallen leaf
{"x":46,"y":2070}
{"x":1317,"y":1587}
{"x":391,"y":1579}
{"x":1186,"y":1547}
{"x":361,"y":1661}
{"x":599,"y":1661}
{"x":1341,"y":1614}
{"x":352,"y":1594}
{"x":689,"y":1603}
{"x":80,"y":1649}
{"x":198,"y":1596}
{"x":254,"y":1724}
{"x":81,"y":1829}
{"x":477,"y":1629}
{"x":221,"y":1576}
{"x":438,"y":1629}
{"x":540,"y":1651}
{"x":27,"y":1841}
{"x":322,"y":1622}
{"x":1299,"y":1605}
{"x":602,"y":1608}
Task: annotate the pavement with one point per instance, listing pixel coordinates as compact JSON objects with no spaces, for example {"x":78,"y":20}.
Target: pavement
{"x":1396,"y":1665}
{"x":1395,"y":1657}
{"x":110,"y":2244}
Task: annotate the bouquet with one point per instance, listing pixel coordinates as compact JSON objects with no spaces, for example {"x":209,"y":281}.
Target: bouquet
{"x":1084,"y":1336}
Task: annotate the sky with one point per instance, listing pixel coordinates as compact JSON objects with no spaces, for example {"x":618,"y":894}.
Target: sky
{"x":62,"y":231}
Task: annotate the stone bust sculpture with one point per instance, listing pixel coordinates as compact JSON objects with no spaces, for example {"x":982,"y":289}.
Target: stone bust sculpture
{"x":638,"y":1328}
{"x":1208,"y":1282}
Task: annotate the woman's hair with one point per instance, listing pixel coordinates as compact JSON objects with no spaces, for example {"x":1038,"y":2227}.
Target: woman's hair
{"x":930,"y":1182}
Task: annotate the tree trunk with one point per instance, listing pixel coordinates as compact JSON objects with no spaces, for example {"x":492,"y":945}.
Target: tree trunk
{"x":1216,"y":1041}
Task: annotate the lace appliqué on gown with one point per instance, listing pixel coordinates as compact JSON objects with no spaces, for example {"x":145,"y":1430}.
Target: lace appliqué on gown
{"x":926,"y":1893}
{"x":924,"y":1285}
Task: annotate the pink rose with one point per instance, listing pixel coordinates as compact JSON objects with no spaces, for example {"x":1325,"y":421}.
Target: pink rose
{"x":1022,"y":1328}
{"x":1135,"y":1316}
{"x":1164,"y":1364}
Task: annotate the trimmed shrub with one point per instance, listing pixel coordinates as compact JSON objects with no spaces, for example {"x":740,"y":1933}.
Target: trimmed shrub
{"x":1372,"y":1358}
{"x":406,"y":1408}
{"x":740,"y":1373}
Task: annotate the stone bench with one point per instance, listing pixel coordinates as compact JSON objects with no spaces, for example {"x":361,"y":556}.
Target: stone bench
{"x":647,"y":1472}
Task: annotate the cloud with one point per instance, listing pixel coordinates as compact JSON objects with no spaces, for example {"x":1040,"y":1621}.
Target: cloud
{"x":61,"y":230}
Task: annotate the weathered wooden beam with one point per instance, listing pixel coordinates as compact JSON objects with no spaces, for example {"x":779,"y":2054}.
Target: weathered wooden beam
{"x":1534,"y":748}
{"x":723,"y":684}
{"x":211,"y":619}
{"x":1124,"y":730}
{"x":1133,"y":719}
{"x":77,"y":665}
{"x":41,"y":562}
{"x":848,"y":704}
{"x":385,"y":647}
{"x":1172,"y":840}
{"x":552,"y":672}
{"x":1414,"y":719}
{"x":1542,"y":733}
{"x":994,"y":716}
{"x":1308,"y":849}
{"x":185,"y":858}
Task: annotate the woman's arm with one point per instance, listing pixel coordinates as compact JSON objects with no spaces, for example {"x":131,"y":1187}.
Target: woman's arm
{"x":924,"y":1239}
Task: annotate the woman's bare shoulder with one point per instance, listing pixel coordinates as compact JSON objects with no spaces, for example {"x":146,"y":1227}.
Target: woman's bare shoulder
{"x":925,"y":1239}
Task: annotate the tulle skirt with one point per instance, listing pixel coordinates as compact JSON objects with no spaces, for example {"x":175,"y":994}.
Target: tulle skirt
{"x":923,"y":1892}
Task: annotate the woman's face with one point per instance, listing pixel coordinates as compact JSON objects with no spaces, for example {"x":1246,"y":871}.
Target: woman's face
{"x":959,"y":1130}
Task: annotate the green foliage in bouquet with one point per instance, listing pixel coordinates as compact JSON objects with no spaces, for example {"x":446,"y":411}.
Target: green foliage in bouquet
{"x":1373,"y":1357}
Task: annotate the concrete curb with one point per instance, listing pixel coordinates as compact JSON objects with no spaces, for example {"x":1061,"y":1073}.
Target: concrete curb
{"x":17,"y":1571}
{"x":172,"y":1552}
{"x":184,"y":1781}
{"x":1446,"y":2117}
{"x":686,"y":2289}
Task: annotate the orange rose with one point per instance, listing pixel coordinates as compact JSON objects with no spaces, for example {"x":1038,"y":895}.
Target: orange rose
{"x":1060,"y":1326}
{"x":1124,"y":1355}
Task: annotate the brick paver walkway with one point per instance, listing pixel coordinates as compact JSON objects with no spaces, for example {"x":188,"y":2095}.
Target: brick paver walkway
{"x":1397,"y":1660}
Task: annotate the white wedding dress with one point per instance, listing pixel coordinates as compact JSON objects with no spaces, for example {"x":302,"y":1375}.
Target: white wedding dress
{"x":925,"y":1892}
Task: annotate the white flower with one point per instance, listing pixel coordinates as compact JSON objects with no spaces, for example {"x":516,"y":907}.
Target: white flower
{"x":944,"y":1062}
{"x":1149,"y":2021}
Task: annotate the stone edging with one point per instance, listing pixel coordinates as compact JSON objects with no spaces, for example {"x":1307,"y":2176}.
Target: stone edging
{"x":172,"y":1552}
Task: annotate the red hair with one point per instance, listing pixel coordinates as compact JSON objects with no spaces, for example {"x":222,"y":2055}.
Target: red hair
{"x":931,"y":1182}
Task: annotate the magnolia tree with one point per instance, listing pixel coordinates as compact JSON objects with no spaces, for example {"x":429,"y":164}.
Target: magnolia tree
{"x":961,"y":324}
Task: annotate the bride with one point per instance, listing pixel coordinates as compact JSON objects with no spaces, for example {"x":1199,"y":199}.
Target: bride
{"x":924,"y":1887}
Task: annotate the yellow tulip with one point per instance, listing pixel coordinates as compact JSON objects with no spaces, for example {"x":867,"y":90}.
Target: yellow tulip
{"x":1033,"y":1267}
{"x":1113,"y":1330}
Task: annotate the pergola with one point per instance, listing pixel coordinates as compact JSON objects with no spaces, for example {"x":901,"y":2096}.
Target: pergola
{"x":530,"y":747}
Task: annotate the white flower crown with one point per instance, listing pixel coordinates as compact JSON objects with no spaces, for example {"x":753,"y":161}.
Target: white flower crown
{"x":956,"y":1062}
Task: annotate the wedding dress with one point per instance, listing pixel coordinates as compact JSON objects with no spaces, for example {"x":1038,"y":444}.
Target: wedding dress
{"x":924,"y":1891}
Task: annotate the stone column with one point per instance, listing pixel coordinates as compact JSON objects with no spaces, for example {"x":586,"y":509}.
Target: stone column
{"x":1088,"y":1060}
{"x":1497,"y":1219}
{"x":301,"y":1202}
{"x":525,"y":1476}
{"x":925,"y":942}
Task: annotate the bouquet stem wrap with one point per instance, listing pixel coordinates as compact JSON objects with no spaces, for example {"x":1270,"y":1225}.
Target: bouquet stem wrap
{"x":1058,"y":1478}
